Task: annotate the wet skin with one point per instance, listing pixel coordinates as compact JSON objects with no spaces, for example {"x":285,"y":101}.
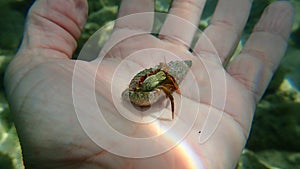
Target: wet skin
{"x":38,"y":81}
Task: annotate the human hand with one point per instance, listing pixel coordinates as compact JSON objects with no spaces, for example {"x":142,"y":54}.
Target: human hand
{"x":39,"y":83}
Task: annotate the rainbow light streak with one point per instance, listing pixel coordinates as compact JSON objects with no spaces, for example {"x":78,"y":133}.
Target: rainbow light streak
{"x":189,"y":156}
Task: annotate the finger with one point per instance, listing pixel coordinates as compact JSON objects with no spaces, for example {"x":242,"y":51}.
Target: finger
{"x":136,"y":15}
{"x":182,"y":21}
{"x":265,"y":47}
{"x":53,"y":27}
{"x":221,"y":37}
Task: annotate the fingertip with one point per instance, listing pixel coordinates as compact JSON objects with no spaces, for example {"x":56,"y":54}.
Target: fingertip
{"x":82,"y":5}
{"x":55,"y":25}
{"x":284,"y":6}
{"x":277,"y":18}
{"x":286,"y":3}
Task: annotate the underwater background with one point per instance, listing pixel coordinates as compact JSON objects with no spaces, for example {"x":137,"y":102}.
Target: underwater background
{"x":274,"y":141}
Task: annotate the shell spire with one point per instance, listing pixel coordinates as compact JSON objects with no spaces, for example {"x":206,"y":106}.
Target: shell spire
{"x":178,"y":69}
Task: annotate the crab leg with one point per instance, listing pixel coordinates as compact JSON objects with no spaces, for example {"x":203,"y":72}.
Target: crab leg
{"x":168,"y":94}
{"x":173,"y":81}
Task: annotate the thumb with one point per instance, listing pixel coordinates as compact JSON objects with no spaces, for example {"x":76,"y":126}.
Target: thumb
{"x":53,"y":27}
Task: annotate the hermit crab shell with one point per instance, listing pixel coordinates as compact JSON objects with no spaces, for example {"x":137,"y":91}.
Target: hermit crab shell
{"x":177,"y":69}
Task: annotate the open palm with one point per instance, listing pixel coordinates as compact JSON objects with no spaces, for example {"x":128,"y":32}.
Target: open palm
{"x":39,"y":83}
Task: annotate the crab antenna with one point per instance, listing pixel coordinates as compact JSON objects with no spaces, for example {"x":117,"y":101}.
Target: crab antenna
{"x":165,"y":67}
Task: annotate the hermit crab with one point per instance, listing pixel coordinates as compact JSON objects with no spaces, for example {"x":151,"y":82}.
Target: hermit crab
{"x":150,"y":85}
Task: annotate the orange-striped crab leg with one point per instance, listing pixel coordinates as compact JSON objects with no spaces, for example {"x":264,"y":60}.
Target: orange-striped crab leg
{"x":169,"y":95}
